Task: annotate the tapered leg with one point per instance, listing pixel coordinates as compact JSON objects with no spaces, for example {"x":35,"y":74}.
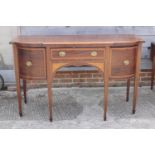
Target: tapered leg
{"x":49,"y":82}
{"x":153,"y":73}
{"x":19,"y":97}
{"x":106,"y":81}
{"x":128,"y":90}
{"x":24,"y":89}
{"x":16,"y":62}
{"x":136,"y":81}
{"x":136,"y":78}
{"x":105,"y":97}
{"x":50,"y":99}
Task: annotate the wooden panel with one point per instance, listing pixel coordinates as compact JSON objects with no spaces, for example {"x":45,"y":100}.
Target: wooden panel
{"x":32,"y":63}
{"x":123,"y":61}
{"x":78,"y":53}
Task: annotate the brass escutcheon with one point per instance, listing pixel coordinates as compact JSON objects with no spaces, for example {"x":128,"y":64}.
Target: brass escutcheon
{"x":28,"y":63}
{"x":93,"y":53}
{"x":126,"y":62}
{"x":62,"y":53}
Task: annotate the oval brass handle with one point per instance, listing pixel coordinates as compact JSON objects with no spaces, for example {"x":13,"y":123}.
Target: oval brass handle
{"x":126,"y":62}
{"x":28,"y":63}
{"x":62,"y":53}
{"x":93,"y":53}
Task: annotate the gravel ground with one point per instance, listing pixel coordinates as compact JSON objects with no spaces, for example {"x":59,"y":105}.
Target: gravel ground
{"x":78,"y":108}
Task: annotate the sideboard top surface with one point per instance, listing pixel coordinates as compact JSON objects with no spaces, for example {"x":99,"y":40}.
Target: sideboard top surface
{"x":77,"y":39}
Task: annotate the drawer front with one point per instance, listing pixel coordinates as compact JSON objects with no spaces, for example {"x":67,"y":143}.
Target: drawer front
{"x":32,"y":63}
{"x":123,"y":61}
{"x":77,"y":53}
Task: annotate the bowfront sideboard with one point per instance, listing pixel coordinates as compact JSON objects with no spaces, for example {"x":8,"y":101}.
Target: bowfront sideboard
{"x":40,"y":57}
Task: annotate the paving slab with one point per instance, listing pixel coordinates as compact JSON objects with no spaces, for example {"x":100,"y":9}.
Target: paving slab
{"x":78,"y":108}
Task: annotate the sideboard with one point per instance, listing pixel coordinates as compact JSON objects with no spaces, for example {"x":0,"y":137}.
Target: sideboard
{"x":40,"y":57}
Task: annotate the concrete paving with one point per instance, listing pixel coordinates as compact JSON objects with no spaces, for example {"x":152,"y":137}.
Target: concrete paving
{"x":78,"y":108}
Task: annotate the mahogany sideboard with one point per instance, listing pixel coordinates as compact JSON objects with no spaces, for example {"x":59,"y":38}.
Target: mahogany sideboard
{"x":39,"y":57}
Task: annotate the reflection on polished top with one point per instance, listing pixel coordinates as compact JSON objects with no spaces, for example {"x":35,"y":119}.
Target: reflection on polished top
{"x":78,"y":39}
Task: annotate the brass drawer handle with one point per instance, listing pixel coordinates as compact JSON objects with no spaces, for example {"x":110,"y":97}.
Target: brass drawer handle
{"x":93,"y":53}
{"x":28,"y":63}
{"x":62,"y":53}
{"x":126,"y":62}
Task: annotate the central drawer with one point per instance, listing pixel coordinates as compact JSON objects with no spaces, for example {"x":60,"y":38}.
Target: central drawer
{"x":82,"y":53}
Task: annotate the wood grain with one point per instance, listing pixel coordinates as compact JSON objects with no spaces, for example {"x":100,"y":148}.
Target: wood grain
{"x":36,"y":56}
{"x":118,"y":58}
